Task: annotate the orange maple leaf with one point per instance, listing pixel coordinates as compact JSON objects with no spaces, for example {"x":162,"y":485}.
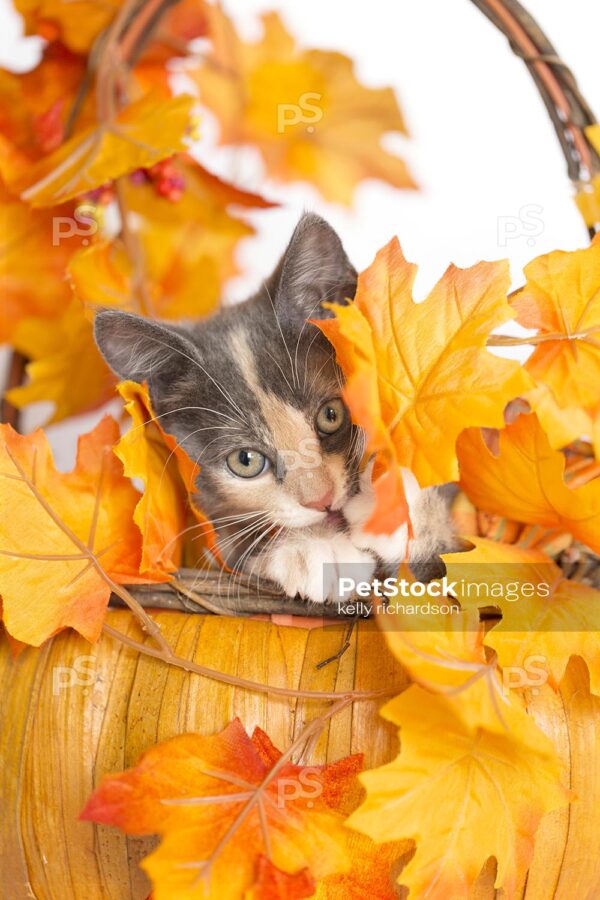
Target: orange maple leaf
{"x":561,"y":299}
{"x":304,"y":109}
{"x":526,"y":482}
{"x":169,"y":475}
{"x":40,"y":290}
{"x":143,"y":133}
{"x":65,"y":539}
{"x":186,"y":246}
{"x":80,"y":23}
{"x":223,"y":802}
{"x":60,"y":354}
{"x":418,"y":373}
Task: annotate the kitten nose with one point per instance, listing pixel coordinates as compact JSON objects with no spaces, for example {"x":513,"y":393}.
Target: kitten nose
{"x":322,"y":503}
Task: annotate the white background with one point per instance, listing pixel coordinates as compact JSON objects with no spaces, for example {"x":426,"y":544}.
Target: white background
{"x":482,"y":147}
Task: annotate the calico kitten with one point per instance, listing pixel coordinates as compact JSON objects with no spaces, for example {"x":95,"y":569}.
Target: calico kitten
{"x":253,"y":394}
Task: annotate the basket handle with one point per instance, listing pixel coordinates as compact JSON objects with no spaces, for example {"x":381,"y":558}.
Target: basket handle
{"x":569,"y":112}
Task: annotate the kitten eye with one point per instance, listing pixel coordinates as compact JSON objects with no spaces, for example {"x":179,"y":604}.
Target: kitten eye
{"x":331,"y":416}
{"x":246,"y":463}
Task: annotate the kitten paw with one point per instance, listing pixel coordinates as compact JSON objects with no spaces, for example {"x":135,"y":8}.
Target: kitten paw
{"x":390,"y":548}
{"x":311,"y":566}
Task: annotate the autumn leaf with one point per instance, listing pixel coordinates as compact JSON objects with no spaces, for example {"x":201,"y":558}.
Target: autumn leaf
{"x":38,"y":291}
{"x":161,"y":513}
{"x":526,"y":481}
{"x":67,"y":369}
{"x":561,"y":299}
{"x":79,"y":23}
{"x":562,"y":425}
{"x":304,"y":109}
{"x":36,"y":105}
{"x":220,"y":804}
{"x":187,"y":247}
{"x":463,"y":793}
{"x":588,"y":196}
{"x":274,"y":884}
{"x":440,"y":651}
{"x":546,"y":618}
{"x":418,"y":373}
{"x":143,"y":133}
{"x":57,"y":530}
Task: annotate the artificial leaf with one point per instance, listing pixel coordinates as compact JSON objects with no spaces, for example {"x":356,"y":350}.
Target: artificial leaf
{"x":440,"y":650}
{"x":36,"y":105}
{"x":304,"y":109}
{"x":64,"y":538}
{"x":418,"y":373}
{"x":274,"y":884}
{"x":143,"y":133}
{"x":186,"y":248}
{"x":588,"y":196}
{"x":218,"y":814}
{"x":169,"y":476}
{"x":66,"y":369}
{"x":562,"y":425}
{"x":526,"y":481}
{"x":561,"y":299}
{"x":39,"y":290}
{"x":161,"y":511}
{"x":546,"y":618}
{"x":373,"y":873}
{"x":80,"y":23}
{"x":475,"y":793}
{"x":77,"y":24}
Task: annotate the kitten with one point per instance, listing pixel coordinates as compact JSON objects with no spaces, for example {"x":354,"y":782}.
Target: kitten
{"x":253,"y":394}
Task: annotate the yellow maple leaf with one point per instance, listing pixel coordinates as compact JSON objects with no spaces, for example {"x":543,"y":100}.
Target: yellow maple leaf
{"x":440,"y":651}
{"x":526,"y":481}
{"x":475,"y":793}
{"x":160,"y":513}
{"x":143,"y":133}
{"x":588,"y":196}
{"x":418,"y":373}
{"x":546,"y":618}
{"x":67,"y":369}
{"x":50,"y":240}
{"x":304,"y":109}
{"x":65,"y":539}
{"x":561,"y":424}
{"x":561,"y":299}
{"x":186,"y":248}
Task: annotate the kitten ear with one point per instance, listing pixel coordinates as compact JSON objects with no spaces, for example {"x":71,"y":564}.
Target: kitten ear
{"x":313,"y":268}
{"x":140,"y":349}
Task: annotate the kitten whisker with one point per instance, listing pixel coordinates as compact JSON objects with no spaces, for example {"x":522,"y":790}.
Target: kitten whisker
{"x":221,"y":390}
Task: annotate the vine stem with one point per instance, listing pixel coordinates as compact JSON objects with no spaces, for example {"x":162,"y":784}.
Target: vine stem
{"x":189,"y":665}
{"x":505,"y":340}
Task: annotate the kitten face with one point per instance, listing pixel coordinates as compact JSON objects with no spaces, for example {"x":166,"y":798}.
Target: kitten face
{"x":253,"y":394}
